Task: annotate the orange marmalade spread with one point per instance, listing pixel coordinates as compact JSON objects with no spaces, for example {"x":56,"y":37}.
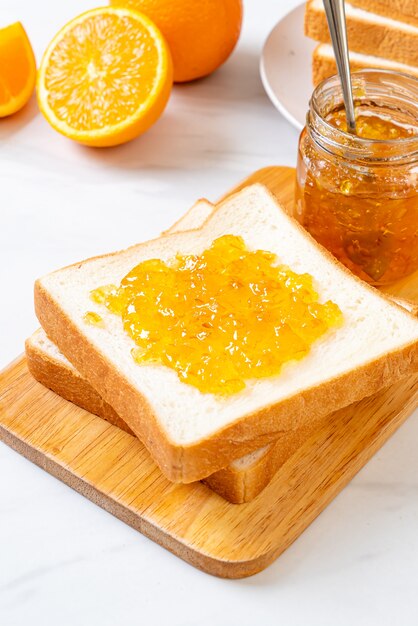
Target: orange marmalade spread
{"x":371,"y":126}
{"x":94,"y":319}
{"x":220,"y":317}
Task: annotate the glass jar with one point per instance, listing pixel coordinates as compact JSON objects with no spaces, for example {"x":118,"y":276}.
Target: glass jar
{"x":359,"y":196}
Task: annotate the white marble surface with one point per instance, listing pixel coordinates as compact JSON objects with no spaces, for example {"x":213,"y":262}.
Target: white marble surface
{"x":62,"y":559}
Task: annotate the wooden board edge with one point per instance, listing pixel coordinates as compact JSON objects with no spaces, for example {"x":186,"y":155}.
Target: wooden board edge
{"x":221,"y":568}
{"x":207,"y":564}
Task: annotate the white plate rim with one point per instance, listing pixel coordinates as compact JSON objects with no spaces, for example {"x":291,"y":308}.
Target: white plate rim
{"x":266,"y":83}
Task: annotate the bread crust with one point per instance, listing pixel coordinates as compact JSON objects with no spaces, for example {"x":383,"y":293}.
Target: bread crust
{"x":324,"y":66}
{"x":183,"y":222}
{"x":240,"y":486}
{"x":68,"y":384}
{"x":364,"y":37}
{"x":198,"y":460}
{"x":402,"y":10}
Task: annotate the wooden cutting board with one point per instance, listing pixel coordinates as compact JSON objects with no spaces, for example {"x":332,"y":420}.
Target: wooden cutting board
{"x":114,"y":470}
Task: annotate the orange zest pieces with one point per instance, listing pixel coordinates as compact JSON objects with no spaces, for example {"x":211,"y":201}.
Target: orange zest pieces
{"x":106,"y":77}
{"x":17,"y":69}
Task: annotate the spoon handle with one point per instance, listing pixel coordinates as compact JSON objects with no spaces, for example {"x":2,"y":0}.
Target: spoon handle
{"x":335,"y":13}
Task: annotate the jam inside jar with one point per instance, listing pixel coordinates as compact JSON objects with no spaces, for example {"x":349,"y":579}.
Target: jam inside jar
{"x":358,"y":194}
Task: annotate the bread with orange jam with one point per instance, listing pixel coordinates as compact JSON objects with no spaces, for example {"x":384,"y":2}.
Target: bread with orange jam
{"x":192,"y":434}
{"x":243,"y":479}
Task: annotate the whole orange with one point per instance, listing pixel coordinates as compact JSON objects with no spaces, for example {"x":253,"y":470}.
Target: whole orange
{"x":201,"y":34}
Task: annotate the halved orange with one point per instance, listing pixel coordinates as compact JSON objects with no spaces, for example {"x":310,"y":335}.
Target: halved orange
{"x":17,"y":69}
{"x":106,"y":77}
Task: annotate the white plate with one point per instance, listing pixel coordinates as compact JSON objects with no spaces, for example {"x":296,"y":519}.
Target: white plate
{"x":285,"y":67}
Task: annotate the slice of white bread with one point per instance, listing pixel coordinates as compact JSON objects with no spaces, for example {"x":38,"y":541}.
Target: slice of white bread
{"x":243,"y":479}
{"x":368,"y":33}
{"x":402,"y":10}
{"x":190,"y":434}
{"x":323,"y":63}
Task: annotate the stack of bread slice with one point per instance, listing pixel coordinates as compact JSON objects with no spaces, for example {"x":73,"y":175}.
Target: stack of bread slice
{"x":234,"y":444}
{"x":381,"y":34}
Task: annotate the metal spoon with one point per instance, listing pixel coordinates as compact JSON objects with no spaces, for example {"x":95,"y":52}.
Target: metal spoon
{"x":335,"y":13}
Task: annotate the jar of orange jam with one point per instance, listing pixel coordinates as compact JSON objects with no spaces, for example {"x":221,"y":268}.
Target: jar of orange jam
{"x":358,"y":194}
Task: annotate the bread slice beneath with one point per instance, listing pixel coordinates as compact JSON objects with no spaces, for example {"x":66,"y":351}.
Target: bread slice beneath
{"x":368,"y":33}
{"x":194,"y":218}
{"x":189,"y":434}
{"x":324,"y":65}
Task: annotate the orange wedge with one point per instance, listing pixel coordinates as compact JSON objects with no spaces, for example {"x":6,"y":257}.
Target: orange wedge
{"x":106,"y":77}
{"x":17,"y":69}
